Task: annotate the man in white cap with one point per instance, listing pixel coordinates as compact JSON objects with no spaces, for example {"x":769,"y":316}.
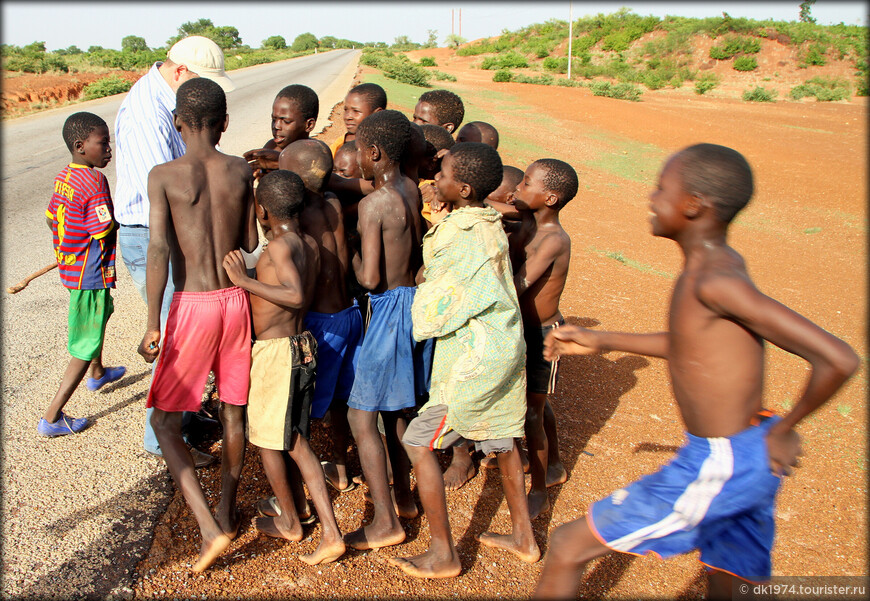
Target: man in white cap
{"x":145,"y":136}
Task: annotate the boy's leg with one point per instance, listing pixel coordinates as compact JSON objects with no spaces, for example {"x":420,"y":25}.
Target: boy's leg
{"x":556,"y":473}
{"x":331,"y":545}
{"x":521,"y":540}
{"x":287,"y":524}
{"x":232,"y":459}
{"x":461,"y":468}
{"x":167,"y":427}
{"x":572,"y":545}
{"x":536,"y":440}
{"x":336,"y":471}
{"x":720,"y":586}
{"x":394,"y":426}
{"x":385,"y":528}
{"x":441,"y":559}
{"x":72,"y":377}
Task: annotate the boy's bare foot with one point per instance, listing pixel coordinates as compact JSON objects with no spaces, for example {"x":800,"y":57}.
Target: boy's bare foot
{"x":231,"y":529}
{"x":529,"y":553}
{"x":210,"y":551}
{"x":539,"y":502}
{"x":459,"y":472}
{"x":428,"y":565}
{"x":369,"y":538}
{"x":491,"y":463}
{"x":271,"y":527}
{"x":337,"y":478}
{"x":407,"y":510}
{"x":556,"y":474}
{"x":325,"y":552}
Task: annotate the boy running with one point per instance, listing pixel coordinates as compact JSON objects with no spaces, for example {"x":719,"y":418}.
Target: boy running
{"x":469,"y":303}
{"x":80,"y":216}
{"x":284,"y":360}
{"x":718,"y":493}
{"x":202,"y":207}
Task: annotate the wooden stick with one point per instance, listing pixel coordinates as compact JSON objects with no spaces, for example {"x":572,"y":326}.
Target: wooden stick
{"x":23,"y":283}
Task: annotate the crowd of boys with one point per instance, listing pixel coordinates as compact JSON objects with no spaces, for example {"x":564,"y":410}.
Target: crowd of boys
{"x":408,"y":291}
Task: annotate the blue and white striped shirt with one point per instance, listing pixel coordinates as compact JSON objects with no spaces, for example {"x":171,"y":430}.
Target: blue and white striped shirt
{"x":145,"y":136}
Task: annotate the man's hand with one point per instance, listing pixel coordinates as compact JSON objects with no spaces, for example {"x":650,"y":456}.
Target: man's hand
{"x":149,"y":348}
{"x":234,"y":264}
{"x":783,"y":449}
{"x":570,"y":340}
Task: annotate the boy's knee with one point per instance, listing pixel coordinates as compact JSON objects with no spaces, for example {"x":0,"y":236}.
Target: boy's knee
{"x":231,"y":415}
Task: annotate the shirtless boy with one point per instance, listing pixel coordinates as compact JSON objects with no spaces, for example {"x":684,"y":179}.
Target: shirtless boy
{"x":478,"y":131}
{"x":718,"y":493}
{"x":294,"y":114}
{"x":284,"y":359}
{"x":500,"y":198}
{"x":440,"y":107}
{"x":334,"y":317}
{"x":469,"y":303}
{"x":386,"y":264}
{"x":344,"y":161}
{"x":202,"y":207}
{"x":360,"y":102}
{"x":544,"y":252}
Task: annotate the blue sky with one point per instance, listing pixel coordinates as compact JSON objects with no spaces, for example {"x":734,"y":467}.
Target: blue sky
{"x":84,"y":23}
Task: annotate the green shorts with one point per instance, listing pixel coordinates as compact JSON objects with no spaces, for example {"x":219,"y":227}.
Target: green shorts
{"x":89,"y":311}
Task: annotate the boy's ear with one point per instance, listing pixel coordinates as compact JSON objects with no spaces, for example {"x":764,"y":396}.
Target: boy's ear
{"x":79,"y":146}
{"x":176,"y":122}
{"x":552,"y":199}
{"x":226,"y":122}
{"x":450,"y":127}
{"x":693,"y":205}
{"x":466,"y":191}
{"x":309,"y":124}
{"x":260,"y":211}
{"x":374,"y":153}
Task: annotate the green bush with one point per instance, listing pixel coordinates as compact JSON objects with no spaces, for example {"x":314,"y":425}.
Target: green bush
{"x":815,"y":55}
{"x":442,"y":76}
{"x":544,"y":80}
{"x":621,"y":91}
{"x":759,"y":94}
{"x":502,"y":75}
{"x":509,"y":60}
{"x":35,"y":63}
{"x":705,"y":83}
{"x":745,"y":63}
{"x":733,"y":45}
{"x":489,"y":63}
{"x":822,"y":89}
{"x":568,"y":83}
{"x":403,"y":70}
{"x":106,"y":86}
{"x":556,"y":64}
{"x":428,"y":61}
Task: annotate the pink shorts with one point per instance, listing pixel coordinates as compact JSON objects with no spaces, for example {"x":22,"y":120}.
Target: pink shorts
{"x":205,"y":331}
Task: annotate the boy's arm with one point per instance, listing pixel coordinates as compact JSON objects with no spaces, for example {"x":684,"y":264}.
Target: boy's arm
{"x":287,"y":293}
{"x":367,"y":262}
{"x":252,"y":236}
{"x":532,"y":269}
{"x":832,"y":360}
{"x":574,"y":340}
{"x":349,"y":189}
{"x":157,"y":263}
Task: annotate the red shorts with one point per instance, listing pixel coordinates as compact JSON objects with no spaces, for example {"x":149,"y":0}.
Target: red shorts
{"x":205,"y":331}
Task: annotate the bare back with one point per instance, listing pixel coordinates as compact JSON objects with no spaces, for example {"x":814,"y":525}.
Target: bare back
{"x":209,"y":197}
{"x":542,"y":256}
{"x":322,"y":219}
{"x":716,"y":364}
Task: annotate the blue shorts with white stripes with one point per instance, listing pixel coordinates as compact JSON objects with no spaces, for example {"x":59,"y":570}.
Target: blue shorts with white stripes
{"x":717,"y":495}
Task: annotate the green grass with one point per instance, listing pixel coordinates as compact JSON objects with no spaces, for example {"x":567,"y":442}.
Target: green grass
{"x":844,"y":409}
{"x":812,"y":230}
{"x":628,"y":262}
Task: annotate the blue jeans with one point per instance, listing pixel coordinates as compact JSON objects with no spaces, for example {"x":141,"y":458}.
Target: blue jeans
{"x":133,"y":243}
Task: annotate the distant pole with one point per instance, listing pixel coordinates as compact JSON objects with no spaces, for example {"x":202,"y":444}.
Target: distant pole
{"x":460,"y":22}
{"x":451,"y":21}
{"x":570,"y":34}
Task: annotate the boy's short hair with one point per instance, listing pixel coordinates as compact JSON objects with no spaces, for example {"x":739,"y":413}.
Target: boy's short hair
{"x":374,"y":94}
{"x":389,"y":130}
{"x":437,"y":136}
{"x":346,"y":147}
{"x":200,"y":103}
{"x":304,"y":97}
{"x":721,"y":174}
{"x":487,"y":133}
{"x":312,"y":160}
{"x":79,"y":126}
{"x":560,"y":178}
{"x":512,"y":175}
{"x":477,"y":165}
{"x":282,"y":193}
{"x":446,"y":105}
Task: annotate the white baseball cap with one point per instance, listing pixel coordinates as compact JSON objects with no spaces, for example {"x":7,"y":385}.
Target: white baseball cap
{"x":202,"y":56}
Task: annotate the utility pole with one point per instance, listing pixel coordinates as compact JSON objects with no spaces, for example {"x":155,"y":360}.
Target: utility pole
{"x":451,"y":21}
{"x":460,"y":22}
{"x":570,"y":34}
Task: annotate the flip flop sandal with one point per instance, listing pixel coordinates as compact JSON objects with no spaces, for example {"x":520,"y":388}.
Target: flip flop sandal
{"x":269,"y":508}
{"x":350,"y":486}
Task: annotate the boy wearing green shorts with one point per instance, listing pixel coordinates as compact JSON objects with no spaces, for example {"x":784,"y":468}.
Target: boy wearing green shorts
{"x":80,"y":216}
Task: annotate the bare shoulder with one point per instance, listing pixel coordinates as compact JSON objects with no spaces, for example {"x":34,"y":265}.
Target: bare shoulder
{"x":723,"y":280}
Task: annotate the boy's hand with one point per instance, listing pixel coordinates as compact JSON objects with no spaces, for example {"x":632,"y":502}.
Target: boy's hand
{"x":783,"y":449}
{"x":570,"y":340}
{"x":149,"y":348}
{"x":234,"y":264}
{"x":262,"y":158}
{"x":427,"y":193}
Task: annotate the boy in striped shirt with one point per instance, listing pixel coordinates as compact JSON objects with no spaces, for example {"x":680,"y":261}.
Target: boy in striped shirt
{"x":81,"y":220}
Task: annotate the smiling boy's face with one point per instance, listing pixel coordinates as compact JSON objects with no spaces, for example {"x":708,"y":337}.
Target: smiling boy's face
{"x":288,"y":125}
{"x":356,"y":108}
{"x":94,"y":151}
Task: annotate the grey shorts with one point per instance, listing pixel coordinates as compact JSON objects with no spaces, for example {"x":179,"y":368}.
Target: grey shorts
{"x":429,"y":429}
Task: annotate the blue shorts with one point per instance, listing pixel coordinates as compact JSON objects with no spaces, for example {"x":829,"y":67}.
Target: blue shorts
{"x":390,"y":369}
{"x":339,"y":336}
{"x":717,"y":495}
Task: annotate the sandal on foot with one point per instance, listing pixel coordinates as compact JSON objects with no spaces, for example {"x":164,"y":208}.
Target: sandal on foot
{"x":112,"y":374}
{"x":63,"y":426}
{"x":268,"y":508}
{"x":350,"y":485}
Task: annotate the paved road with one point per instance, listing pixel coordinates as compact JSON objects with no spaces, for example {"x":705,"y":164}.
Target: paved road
{"x":78,"y":512}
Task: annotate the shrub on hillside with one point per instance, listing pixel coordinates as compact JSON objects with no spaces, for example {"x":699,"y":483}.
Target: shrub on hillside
{"x":556,"y":64}
{"x":705,"y":83}
{"x":509,"y":60}
{"x":502,"y":75}
{"x":403,"y":70}
{"x":428,"y":61}
{"x":815,"y":55}
{"x":759,"y":94}
{"x":621,"y":91}
{"x":106,"y":86}
{"x":745,"y":63}
{"x":822,"y":89}
{"x":544,"y":80}
{"x":441,"y":75}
